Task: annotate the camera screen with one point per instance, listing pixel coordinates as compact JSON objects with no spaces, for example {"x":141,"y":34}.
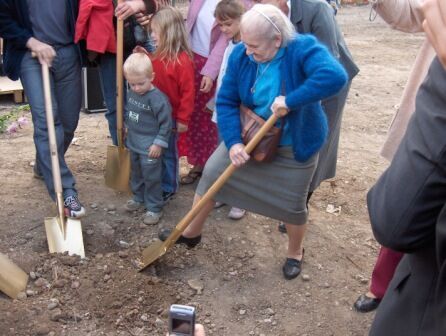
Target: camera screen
{"x":181,"y":326}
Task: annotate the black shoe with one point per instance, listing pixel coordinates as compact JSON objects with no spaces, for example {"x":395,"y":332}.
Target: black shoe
{"x":167,"y":195}
{"x":292,"y":268}
{"x":365,"y":304}
{"x":189,"y":242}
{"x":281,"y":227}
{"x":73,"y":208}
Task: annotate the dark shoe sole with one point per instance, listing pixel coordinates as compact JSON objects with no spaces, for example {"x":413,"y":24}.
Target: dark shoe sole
{"x":189,"y":242}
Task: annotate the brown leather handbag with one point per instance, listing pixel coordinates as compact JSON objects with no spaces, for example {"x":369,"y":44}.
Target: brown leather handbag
{"x":266,"y":149}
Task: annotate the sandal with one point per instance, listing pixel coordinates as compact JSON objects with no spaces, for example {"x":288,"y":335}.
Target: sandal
{"x":191,"y":177}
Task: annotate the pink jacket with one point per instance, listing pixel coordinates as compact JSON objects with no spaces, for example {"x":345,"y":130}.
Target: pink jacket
{"x":405,"y":15}
{"x":218,"y":43}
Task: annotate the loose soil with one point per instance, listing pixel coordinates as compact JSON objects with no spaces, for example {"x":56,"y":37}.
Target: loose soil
{"x":234,"y":277}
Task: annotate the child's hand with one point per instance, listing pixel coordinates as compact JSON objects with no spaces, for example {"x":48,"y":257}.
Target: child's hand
{"x":129,"y":8}
{"x":155,"y":151}
{"x":206,"y":84}
{"x":181,"y":128}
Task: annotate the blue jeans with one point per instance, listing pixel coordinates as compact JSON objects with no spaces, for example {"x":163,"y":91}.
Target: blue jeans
{"x":107,"y":72}
{"x":66,"y":92}
{"x":171,"y":167}
{"x":145,"y":181}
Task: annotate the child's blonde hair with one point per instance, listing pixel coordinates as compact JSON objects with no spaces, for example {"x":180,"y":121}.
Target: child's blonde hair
{"x":229,"y":9}
{"x":138,"y":63}
{"x":173,"y":36}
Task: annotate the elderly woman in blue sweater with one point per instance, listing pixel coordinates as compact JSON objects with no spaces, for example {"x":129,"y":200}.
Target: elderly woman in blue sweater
{"x":276,"y":71}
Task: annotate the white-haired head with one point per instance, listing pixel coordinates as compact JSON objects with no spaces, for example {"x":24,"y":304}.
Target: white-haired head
{"x":269,"y":22}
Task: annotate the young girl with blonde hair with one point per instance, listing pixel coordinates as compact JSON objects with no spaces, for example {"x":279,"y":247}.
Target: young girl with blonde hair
{"x":174,"y":76}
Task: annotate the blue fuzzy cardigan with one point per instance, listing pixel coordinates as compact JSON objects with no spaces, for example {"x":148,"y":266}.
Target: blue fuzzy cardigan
{"x":310,"y":74}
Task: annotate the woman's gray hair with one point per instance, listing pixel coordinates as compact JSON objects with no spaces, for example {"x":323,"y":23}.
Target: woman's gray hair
{"x":268,"y":21}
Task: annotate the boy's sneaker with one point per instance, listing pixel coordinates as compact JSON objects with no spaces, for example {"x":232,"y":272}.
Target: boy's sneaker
{"x":151,"y":218}
{"x":167,"y":195}
{"x":73,"y":208}
{"x":133,"y":205}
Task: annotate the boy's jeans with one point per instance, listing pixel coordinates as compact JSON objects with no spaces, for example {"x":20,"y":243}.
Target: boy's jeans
{"x":171,"y":167}
{"x":145,"y":181}
{"x":66,"y":92}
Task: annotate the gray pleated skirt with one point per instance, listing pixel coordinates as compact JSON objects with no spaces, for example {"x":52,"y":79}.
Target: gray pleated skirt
{"x":276,"y":189}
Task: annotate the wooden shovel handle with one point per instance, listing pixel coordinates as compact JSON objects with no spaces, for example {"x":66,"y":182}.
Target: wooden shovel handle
{"x":120,"y":80}
{"x":53,"y":144}
{"x":209,"y":195}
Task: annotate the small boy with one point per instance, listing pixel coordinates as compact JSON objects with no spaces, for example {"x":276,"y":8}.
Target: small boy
{"x":148,"y":125}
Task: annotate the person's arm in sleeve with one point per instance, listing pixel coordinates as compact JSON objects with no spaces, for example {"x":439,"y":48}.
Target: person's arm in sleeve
{"x":10,"y":29}
{"x":325,"y":76}
{"x":163,"y":112}
{"x":228,"y":102}
{"x":324,"y":28}
{"x":404,"y":15}
{"x":187,"y":90}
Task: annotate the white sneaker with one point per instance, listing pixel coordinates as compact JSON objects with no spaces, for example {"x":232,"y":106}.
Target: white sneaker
{"x":236,"y":213}
{"x":151,"y":218}
{"x":132,"y":205}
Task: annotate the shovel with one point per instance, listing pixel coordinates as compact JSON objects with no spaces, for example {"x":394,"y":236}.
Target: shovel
{"x":117,"y":167}
{"x":159,"y":248}
{"x":12,"y":279}
{"x":63,"y":234}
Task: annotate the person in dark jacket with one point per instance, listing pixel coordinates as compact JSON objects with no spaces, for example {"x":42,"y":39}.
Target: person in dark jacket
{"x":407,"y":208}
{"x":45,"y":28}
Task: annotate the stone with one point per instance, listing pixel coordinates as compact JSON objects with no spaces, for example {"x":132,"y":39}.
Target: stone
{"x":21,"y":296}
{"x":270,"y":311}
{"x":29,"y":236}
{"x":59,"y":283}
{"x":56,"y":315}
{"x":40,"y":282}
{"x":159,"y":323}
{"x":75,"y":284}
{"x":93,"y":205}
{"x":307,"y":294}
{"x":52,"y":305}
{"x":242,"y":311}
{"x":42,"y":330}
{"x":107,"y":277}
{"x":123,"y":254}
{"x":32,"y":275}
{"x":196,"y":285}
{"x":30,"y":292}
{"x":305,"y":277}
{"x":124,"y":244}
{"x":144,"y":318}
{"x":90,"y":232}
{"x":111,"y":207}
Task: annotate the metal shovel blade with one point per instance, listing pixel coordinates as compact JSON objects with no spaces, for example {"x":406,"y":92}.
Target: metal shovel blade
{"x":13,"y":279}
{"x":117,"y":168}
{"x":154,"y":251}
{"x":57,"y":243}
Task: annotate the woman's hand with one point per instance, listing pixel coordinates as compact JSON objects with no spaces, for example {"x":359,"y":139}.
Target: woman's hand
{"x":279,"y":107}
{"x":44,"y":52}
{"x":435,"y":26}
{"x":206,"y":84}
{"x":238,"y":155}
{"x":128,"y":8}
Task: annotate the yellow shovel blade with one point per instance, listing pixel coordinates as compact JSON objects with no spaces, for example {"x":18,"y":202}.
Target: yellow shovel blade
{"x":152,"y":252}
{"x":72,"y":243}
{"x":117,"y":168}
{"x":12,"y":279}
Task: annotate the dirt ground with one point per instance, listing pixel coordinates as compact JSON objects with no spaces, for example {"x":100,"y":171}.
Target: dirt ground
{"x":234,"y":278}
